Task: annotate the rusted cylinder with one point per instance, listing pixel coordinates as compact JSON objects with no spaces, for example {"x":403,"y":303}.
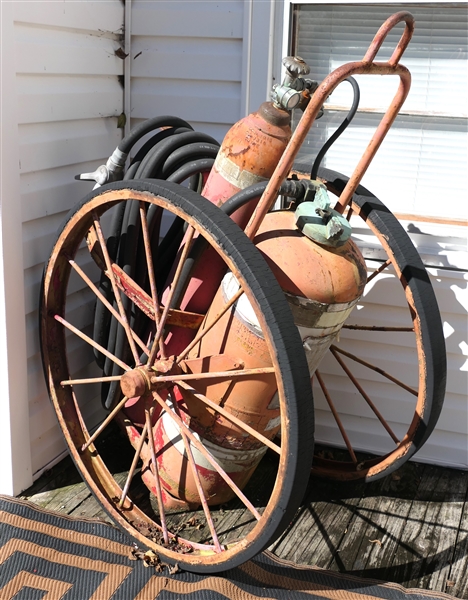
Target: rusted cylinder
{"x":322,"y":284}
{"x":249,"y":154}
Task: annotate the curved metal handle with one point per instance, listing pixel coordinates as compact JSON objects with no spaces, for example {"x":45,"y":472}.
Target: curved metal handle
{"x":363,"y":67}
{"x":383,"y":32}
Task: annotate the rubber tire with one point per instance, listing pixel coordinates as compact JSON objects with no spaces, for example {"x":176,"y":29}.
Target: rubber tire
{"x":418,"y":288}
{"x":297,"y":437}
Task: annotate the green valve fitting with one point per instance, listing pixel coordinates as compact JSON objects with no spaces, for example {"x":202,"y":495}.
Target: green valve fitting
{"x":319,"y":222}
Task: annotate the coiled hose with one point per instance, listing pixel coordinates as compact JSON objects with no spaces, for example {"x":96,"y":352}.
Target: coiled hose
{"x":175,"y":152}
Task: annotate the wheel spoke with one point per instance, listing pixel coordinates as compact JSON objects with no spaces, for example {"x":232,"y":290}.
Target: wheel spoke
{"x":206,"y":329}
{"x":105,"y":423}
{"x":378,"y":328}
{"x":376,"y":369}
{"x":337,"y":417}
{"x":91,"y":342}
{"x":159,"y":331}
{"x":152,"y":280}
{"x":196,"y":477}
{"x":131,"y":472}
{"x":199,"y":446}
{"x":215,"y":375}
{"x":118,"y":299}
{"x":382,"y":267}
{"x":162,"y":512}
{"x":91,"y":380}
{"x":365,"y":396}
{"x":222,"y":411}
{"x":106,"y":303}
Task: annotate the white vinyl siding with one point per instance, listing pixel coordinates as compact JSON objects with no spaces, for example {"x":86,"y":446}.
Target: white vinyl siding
{"x":68,"y":100}
{"x":186,"y":61}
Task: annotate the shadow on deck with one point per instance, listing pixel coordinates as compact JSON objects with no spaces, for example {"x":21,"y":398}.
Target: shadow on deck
{"x":409,"y":528}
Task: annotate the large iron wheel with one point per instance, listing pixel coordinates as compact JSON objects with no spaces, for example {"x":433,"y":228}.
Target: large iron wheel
{"x":175,"y":389}
{"x":360,"y":390}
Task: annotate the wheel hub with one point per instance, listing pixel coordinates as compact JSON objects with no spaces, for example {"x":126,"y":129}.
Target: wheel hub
{"x":144,"y":379}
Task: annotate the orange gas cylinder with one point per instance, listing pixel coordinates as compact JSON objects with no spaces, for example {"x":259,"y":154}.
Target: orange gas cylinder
{"x":249,"y":154}
{"x":251,"y":399}
{"x":322,"y":283}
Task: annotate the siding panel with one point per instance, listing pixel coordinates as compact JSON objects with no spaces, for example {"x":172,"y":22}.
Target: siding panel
{"x":187,"y":61}
{"x":69,"y":97}
{"x":188,"y":19}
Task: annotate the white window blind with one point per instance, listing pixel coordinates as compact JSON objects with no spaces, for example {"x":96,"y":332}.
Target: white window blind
{"x":421,"y":167}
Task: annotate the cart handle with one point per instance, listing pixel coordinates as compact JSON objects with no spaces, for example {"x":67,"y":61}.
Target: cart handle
{"x":364,"y":67}
{"x":383,"y":32}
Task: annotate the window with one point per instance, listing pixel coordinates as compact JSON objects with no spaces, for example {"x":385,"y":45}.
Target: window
{"x":420,"y":170}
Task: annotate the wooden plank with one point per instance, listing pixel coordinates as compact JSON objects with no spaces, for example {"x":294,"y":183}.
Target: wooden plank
{"x":91,"y":509}
{"x":457,"y":581}
{"x":424,"y":551}
{"x":316,"y":533}
{"x":383,"y":513}
{"x":440,"y":529}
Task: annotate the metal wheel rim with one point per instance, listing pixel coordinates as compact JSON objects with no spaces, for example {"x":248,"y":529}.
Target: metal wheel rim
{"x":91,"y":465}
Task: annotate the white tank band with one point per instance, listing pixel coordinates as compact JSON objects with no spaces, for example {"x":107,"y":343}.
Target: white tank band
{"x":229,"y":460}
{"x":233,"y":174}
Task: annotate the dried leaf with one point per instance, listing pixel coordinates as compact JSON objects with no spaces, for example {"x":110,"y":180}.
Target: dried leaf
{"x":121,"y":120}
{"x":175,"y":569}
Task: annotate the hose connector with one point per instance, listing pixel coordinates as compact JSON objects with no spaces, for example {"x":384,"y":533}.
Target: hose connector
{"x":111,"y":171}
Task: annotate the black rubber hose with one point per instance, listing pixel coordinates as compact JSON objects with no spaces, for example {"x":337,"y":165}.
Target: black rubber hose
{"x":146,"y":127}
{"x":243,"y":196}
{"x":102,"y":317}
{"x":153,"y":163}
{"x":187,"y":153}
{"x":156,"y":138}
{"x":131,"y":171}
{"x":202,"y":165}
{"x":341,"y":128}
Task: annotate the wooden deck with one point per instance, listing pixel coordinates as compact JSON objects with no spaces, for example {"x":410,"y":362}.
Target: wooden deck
{"x":410,"y":528}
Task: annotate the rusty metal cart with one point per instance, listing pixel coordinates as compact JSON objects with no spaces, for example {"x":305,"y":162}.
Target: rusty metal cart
{"x":212,"y":317}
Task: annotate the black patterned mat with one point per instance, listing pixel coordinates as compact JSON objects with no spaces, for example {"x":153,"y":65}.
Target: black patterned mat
{"x":48,"y":556}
